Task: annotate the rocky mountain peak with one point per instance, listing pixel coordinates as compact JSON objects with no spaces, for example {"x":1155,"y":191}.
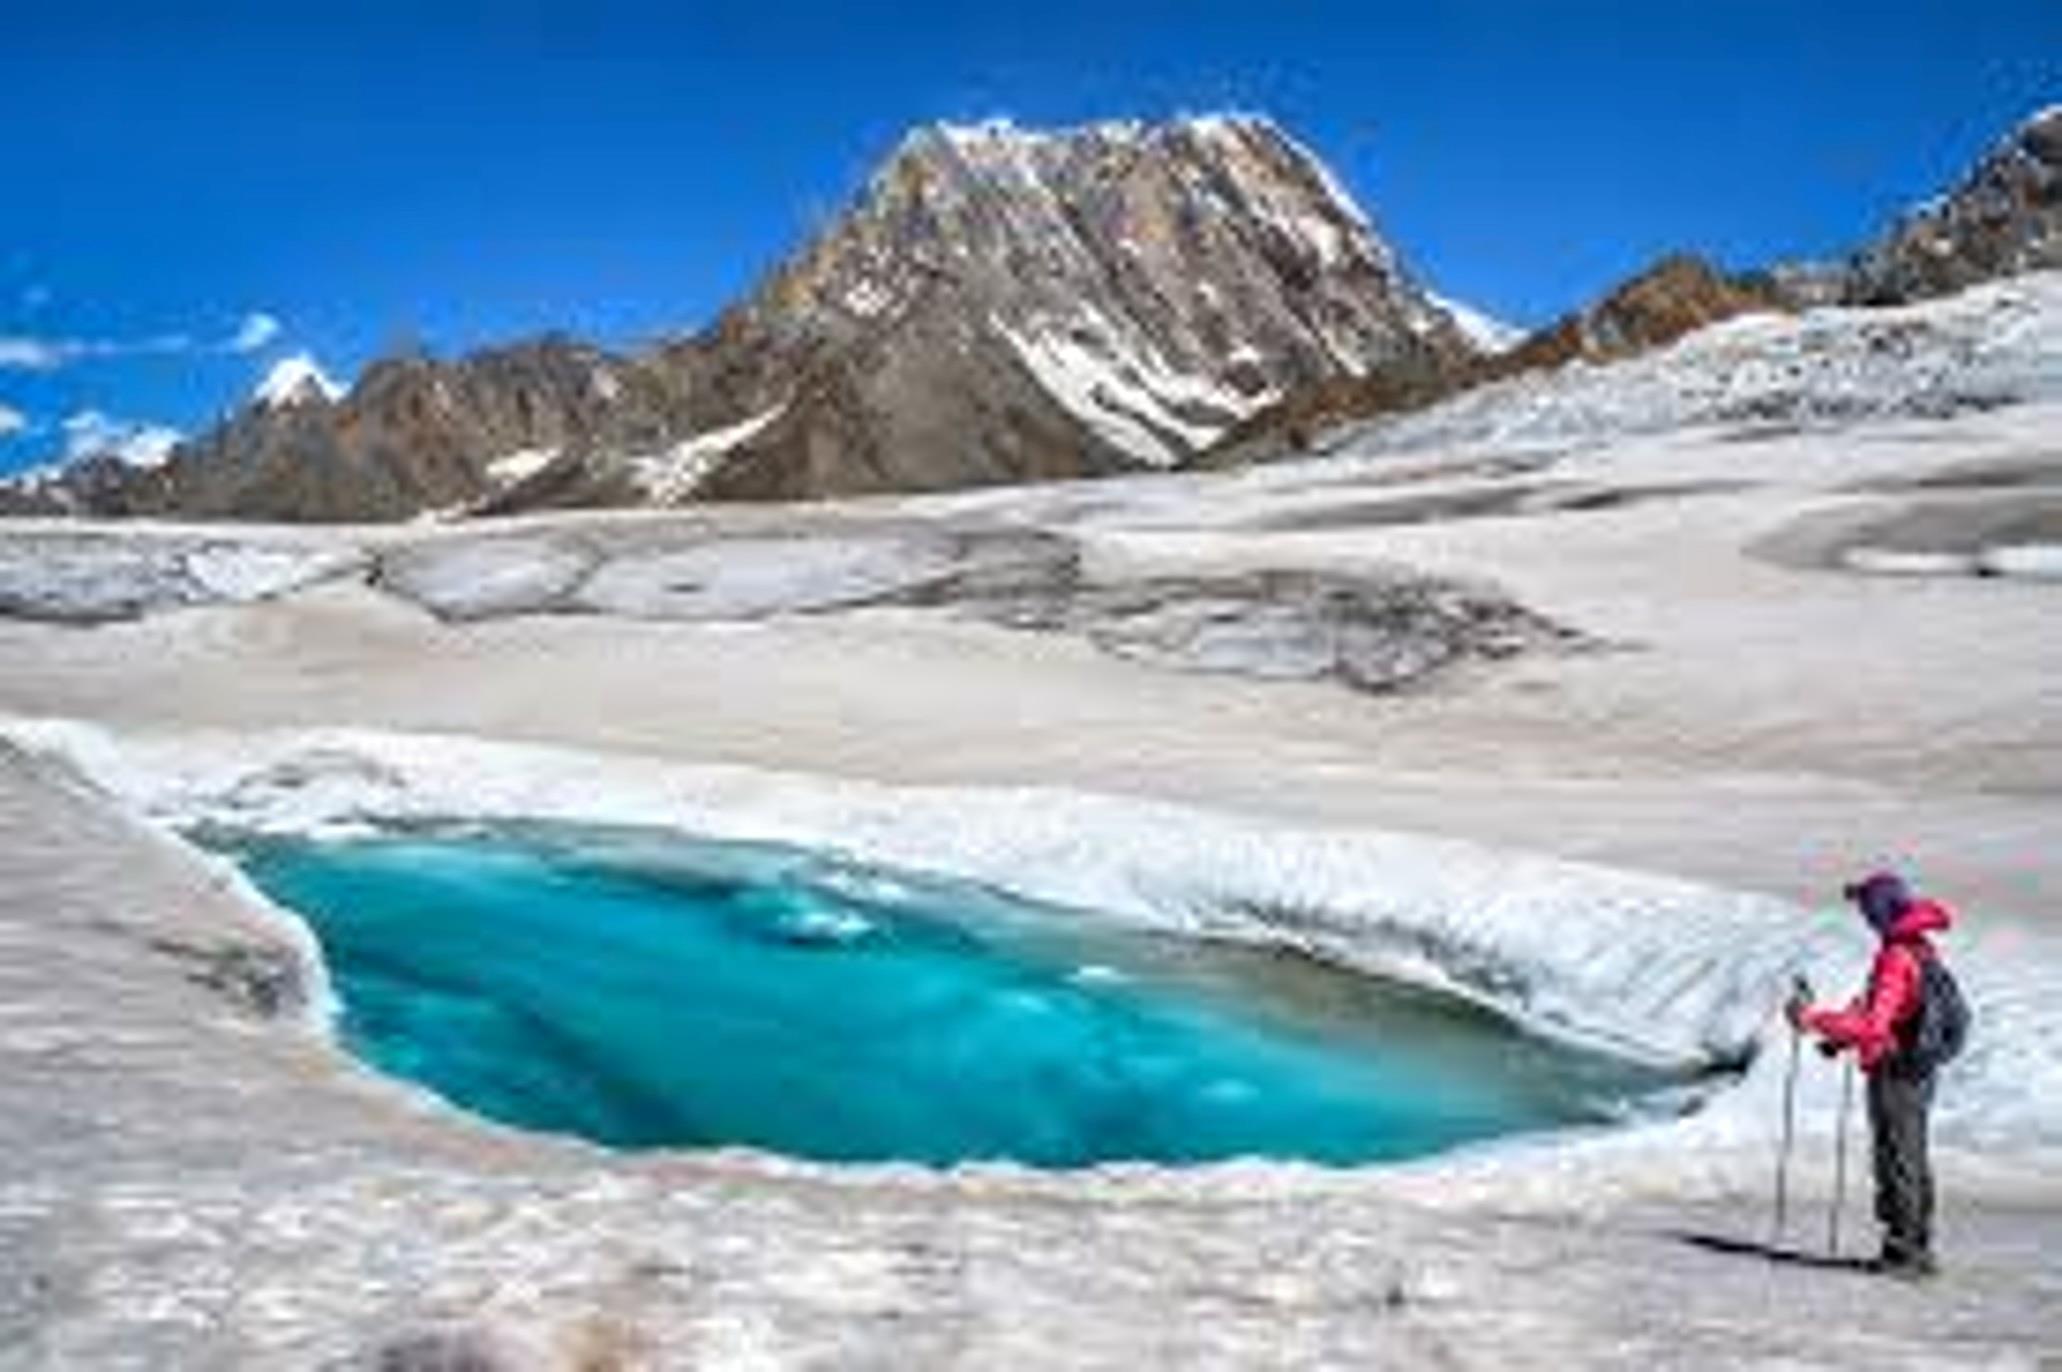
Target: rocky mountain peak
{"x":1162,"y":195}
{"x":1674,"y":296}
{"x":1067,"y":303}
{"x":2003,"y":218}
{"x":1203,"y":264}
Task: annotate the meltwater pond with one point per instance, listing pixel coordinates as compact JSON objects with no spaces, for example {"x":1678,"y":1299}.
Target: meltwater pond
{"x":646,"y":991}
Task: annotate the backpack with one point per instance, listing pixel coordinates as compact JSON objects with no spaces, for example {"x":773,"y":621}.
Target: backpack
{"x":1939,"y":1029}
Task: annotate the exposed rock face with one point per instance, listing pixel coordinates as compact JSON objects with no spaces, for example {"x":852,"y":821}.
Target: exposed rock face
{"x":413,"y":435}
{"x":1004,"y":304}
{"x":1660,"y":305}
{"x":98,"y":482}
{"x":998,"y":305}
{"x":2003,"y":219}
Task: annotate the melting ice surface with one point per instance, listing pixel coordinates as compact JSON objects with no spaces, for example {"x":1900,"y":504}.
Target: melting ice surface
{"x":646,"y":991}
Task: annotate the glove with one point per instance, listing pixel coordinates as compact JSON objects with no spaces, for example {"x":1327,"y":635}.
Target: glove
{"x":1800,"y":1001}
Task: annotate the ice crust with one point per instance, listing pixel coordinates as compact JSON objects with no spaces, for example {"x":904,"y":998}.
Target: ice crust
{"x":1666,"y":970}
{"x":1988,"y":346}
{"x":58,"y":574}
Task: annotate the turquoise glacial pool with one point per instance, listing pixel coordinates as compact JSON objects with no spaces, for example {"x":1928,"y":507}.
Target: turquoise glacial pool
{"x":649,"y":991}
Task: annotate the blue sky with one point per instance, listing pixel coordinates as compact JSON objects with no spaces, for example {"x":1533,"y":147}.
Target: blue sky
{"x":180,"y":179}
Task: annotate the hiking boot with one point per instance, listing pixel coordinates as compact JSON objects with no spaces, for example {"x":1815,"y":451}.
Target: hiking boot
{"x":1906,"y":1266}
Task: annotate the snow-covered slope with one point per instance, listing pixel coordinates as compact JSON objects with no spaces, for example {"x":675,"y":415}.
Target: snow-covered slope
{"x":672,"y":475}
{"x":1487,"y":333}
{"x":1991,"y":345}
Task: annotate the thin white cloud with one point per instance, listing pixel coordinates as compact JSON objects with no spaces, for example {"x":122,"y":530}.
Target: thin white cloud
{"x":43,"y":351}
{"x":91,"y":433}
{"x":30,"y":354}
{"x":22,"y":352}
{"x":12,"y":421}
{"x":257,"y":329}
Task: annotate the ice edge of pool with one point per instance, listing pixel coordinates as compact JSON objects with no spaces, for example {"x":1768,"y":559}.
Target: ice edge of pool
{"x":1661,"y":1097}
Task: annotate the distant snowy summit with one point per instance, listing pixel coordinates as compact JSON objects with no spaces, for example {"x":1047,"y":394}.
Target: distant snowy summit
{"x":295,"y":380}
{"x":1001,"y":304}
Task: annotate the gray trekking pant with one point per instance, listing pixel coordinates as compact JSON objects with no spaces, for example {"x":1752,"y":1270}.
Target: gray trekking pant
{"x":1900,"y":1100}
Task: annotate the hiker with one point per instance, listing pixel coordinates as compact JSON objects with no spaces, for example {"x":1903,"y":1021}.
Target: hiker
{"x":1900,"y":1041}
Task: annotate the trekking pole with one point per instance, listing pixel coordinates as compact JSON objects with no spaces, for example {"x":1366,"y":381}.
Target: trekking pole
{"x":1800,"y":990}
{"x":1840,"y":1157}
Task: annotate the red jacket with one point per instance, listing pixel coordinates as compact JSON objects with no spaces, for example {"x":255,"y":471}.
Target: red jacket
{"x":1870,"y":1022}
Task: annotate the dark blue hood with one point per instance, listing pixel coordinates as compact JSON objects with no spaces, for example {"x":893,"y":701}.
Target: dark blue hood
{"x":1882,"y":898}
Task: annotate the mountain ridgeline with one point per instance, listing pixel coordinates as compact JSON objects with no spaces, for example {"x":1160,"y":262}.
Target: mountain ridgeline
{"x":2004,"y":218}
{"x":996,"y":306}
{"x":1001,"y":305}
